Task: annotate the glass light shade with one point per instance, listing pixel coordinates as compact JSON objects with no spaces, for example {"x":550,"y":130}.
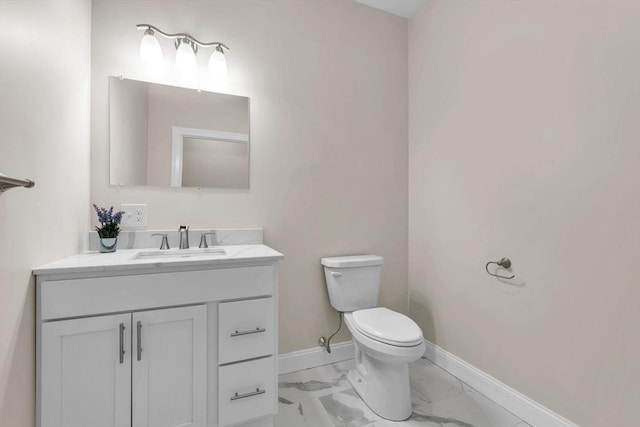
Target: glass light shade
{"x":218,"y":65}
{"x":186,"y":58}
{"x":150,"y":51}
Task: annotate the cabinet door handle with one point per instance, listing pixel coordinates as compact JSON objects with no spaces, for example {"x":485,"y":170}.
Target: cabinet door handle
{"x":139,"y":339}
{"x":249,"y":332}
{"x":250,"y":394}
{"x":121,"y":343}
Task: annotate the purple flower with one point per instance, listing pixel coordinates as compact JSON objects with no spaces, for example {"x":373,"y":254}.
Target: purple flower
{"x":108,"y":221}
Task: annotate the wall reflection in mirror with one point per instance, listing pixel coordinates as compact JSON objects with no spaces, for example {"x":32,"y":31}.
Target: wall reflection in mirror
{"x":166,"y":136}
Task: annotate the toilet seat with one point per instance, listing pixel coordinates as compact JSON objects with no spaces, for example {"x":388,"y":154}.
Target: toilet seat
{"x":387,"y":326}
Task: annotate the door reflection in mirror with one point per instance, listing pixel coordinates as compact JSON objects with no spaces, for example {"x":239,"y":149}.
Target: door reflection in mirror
{"x":166,"y":136}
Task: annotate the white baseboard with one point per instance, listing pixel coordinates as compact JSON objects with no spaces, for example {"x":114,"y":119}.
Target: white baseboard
{"x":510,"y":399}
{"x":312,"y":357}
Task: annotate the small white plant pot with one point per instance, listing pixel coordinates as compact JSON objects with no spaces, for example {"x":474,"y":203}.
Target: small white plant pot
{"x":108,"y":244}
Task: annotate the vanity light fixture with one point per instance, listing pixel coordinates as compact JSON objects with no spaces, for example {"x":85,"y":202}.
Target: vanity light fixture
{"x":218,"y":64}
{"x":186,"y":56}
{"x":186,"y":50}
{"x":150,"y":51}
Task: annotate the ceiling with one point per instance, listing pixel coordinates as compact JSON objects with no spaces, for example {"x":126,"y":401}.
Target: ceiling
{"x":405,"y":8}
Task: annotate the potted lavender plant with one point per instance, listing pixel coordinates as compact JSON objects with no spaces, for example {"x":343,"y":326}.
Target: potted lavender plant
{"x":109,"y":228}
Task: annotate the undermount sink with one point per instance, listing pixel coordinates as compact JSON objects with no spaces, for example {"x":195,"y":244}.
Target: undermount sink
{"x":179,"y":253}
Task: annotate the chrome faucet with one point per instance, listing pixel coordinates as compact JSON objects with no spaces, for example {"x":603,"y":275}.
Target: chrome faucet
{"x":203,"y":240}
{"x":184,"y":236}
{"x":165,"y":241}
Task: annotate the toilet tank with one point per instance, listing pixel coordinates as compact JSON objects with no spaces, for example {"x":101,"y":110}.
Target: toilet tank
{"x":353,"y":281}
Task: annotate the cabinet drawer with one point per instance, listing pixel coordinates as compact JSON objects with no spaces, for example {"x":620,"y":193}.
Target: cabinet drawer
{"x":97,"y":295}
{"x":246,"y":391}
{"x":246,"y":330}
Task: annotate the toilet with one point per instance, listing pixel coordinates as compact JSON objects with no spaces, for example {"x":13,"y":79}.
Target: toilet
{"x":385,"y":341}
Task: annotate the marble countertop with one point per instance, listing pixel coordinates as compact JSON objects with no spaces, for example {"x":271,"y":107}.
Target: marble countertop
{"x":121,"y":260}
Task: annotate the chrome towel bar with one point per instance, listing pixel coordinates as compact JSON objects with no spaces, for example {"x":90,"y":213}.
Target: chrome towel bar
{"x":7,"y":183}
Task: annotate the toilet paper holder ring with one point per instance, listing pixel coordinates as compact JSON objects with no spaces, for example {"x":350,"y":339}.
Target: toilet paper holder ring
{"x":504,"y":263}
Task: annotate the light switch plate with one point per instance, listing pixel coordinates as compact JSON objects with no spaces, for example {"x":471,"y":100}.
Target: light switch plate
{"x":134,"y":215}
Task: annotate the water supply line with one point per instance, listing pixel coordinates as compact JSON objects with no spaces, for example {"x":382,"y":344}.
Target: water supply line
{"x":326,"y":342}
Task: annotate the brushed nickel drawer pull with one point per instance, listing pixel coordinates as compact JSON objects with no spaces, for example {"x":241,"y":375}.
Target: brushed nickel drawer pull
{"x":121,"y":343}
{"x":139,"y":340}
{"x":250,"y":394}
{"x":252,"y":331}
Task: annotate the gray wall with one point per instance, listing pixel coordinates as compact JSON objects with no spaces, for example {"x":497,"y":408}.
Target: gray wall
{"x":328,"y":88}
{"x":524,"y":141}
{"x":44,"y":135}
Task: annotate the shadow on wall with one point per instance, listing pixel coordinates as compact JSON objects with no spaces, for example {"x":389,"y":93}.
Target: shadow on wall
{"x":422,"y":314}
{"x":18,"y":369}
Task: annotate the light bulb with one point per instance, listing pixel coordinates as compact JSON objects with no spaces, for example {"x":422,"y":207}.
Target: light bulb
{"x":186,"y":57}
{"x":150,"y":51}
{"x":218,"y":64}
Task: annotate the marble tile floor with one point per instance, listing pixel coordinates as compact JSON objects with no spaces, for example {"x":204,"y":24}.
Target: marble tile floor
{"x":323,"y":397}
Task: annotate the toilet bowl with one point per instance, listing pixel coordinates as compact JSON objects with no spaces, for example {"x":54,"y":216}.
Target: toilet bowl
{"x":381,"y":373}
{"x":385,"y":341}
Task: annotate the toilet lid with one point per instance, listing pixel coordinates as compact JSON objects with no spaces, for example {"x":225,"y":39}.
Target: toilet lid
{"x":387,"y":326}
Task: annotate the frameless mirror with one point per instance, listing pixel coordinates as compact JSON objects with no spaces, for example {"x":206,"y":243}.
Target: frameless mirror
{"x":166,"y":136}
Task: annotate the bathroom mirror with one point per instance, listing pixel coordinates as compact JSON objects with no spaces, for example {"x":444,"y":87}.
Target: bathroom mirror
{"x":166,"y":136}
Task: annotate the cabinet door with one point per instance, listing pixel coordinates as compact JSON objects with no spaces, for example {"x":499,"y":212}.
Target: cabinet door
{"x":170,"y":367}
{"x":86,"y":372}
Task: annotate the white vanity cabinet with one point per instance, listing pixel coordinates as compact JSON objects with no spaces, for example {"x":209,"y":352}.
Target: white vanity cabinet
{"x":148,"y":366}
{"x":158,"y":346}
{"x":246,"y":334}
{"x":83,"y":355}
{"x":169,"y":375}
